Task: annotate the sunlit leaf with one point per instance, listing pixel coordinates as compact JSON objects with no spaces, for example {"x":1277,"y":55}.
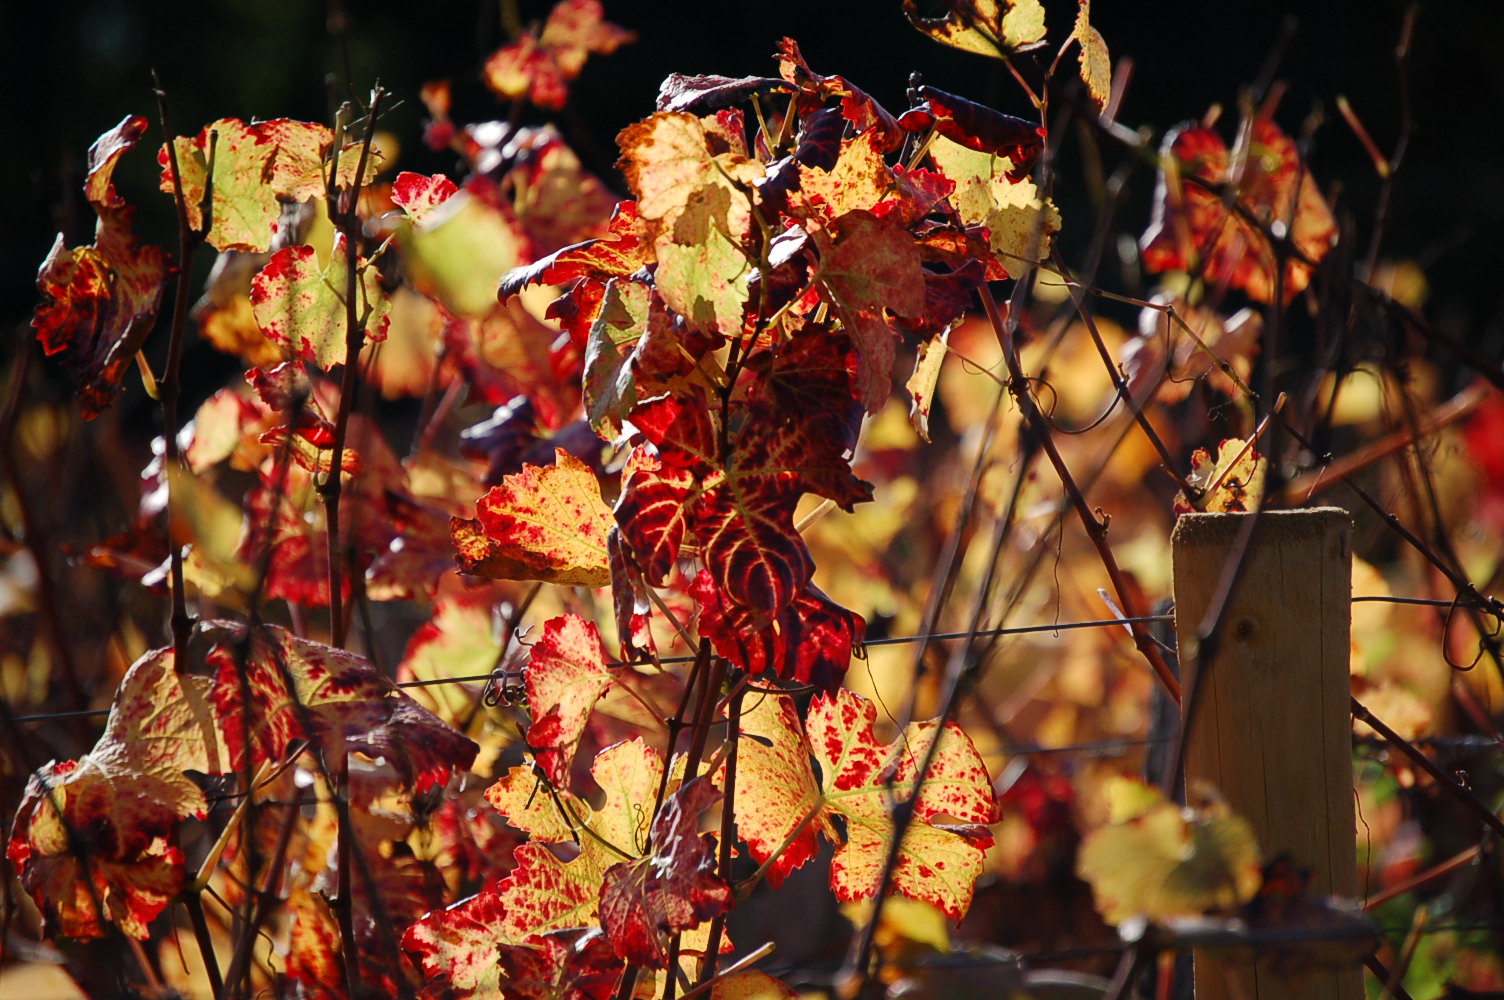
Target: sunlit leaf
{"x":255,"y":168}
{"x":543,"y":523}
{"x":1233,"y":482}
{"x":302,"y":306}
{"x":994,"y":28}
{"x":1194,"y":228}
{"x":672,"y":888}
{"x":566,"y":675}
{"x":103,"y":829}
{"x":861,"y":782}
{"x":98,"y":302}
{"x":539,"y":67}
{"x":1096,"y":64}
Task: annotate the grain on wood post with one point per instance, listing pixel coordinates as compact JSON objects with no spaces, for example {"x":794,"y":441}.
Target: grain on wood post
{"x":1271,"y":730}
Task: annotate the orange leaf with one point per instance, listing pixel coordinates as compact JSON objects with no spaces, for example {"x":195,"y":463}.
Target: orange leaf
{"x":543,"y":523}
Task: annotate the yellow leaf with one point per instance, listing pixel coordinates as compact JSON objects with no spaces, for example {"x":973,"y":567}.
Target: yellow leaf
{"x":1158,"y":861}
{"x":996,"y":28}
{"x":1096,"y":65}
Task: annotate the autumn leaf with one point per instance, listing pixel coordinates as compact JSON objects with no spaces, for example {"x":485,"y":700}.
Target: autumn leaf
{"x":776,"y":789}
{"x":255,"y":168}
{"x":566,"y":675}
{"x":1096,"y":64}
{"x":303,"y":307}
{"x":273,"y":689}
{"x":540,"y":67}
{"x":1193,"y":227}
{"x":1157,"y":860}
{"x":99,"y":302}
{"x":869,"y":266}
{"x":418,"y":195}
{"x":938,"y":866}
{"x":543,"y":899}
{"x":543,"y":523}
{"x":750,"y":984}
{"x":667,"y":158}
{"x":811,"y":641}
{"x":861,"y":783}
{"x":672,"y":888}
{"x":1233,"y":482}
{"x":103,"y":829}
{"x":652,"y":513}
{"x":994,"y":28}
{"x":1021,"y":225}
{"x":977,"y":127}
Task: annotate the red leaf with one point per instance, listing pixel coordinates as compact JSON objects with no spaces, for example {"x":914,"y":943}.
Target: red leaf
{"x":1192,"y":226}
{"x":540,"y":68}
{"x":617,"y":254}
{"x":304,"y":690}
{"x":673,"y":888}
{"x":977,"y":127}
{"x":810,"y":642}
{"x":856,"y":106}
{"x":566,"y":675}
{"x":652,"y":513}
{"x":418,"y":195}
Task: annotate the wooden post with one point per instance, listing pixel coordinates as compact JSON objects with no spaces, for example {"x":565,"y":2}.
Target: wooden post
{"x":1271,"y":730}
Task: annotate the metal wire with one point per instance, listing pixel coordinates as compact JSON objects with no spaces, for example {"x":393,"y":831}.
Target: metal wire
{"x":885,"y":641}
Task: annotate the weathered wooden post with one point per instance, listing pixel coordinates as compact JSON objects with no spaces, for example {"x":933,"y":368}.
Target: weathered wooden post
{"x":1271,"y":729}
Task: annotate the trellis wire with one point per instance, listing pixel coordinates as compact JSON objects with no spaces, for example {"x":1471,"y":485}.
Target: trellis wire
{"x":885,"y":641}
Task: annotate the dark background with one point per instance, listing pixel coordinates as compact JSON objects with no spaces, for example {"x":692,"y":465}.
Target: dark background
{"x":78,"y":68}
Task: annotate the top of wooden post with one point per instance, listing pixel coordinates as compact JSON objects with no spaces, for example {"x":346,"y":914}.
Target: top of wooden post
{"x":1274,"y":525}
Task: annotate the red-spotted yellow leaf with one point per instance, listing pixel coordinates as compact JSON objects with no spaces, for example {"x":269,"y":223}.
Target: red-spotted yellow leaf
{"x":776,"y":789}
{"x":539,"y":67}
{"x":1157,"y":860}
{"x":860,"y":782}
{"x":419,"y":195}
{"x":543,"y":523}
{"x":1234,"y":481}
{"x":1096,"y":64}
{"x":256,"y":167}
{"x":301,"y":305}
